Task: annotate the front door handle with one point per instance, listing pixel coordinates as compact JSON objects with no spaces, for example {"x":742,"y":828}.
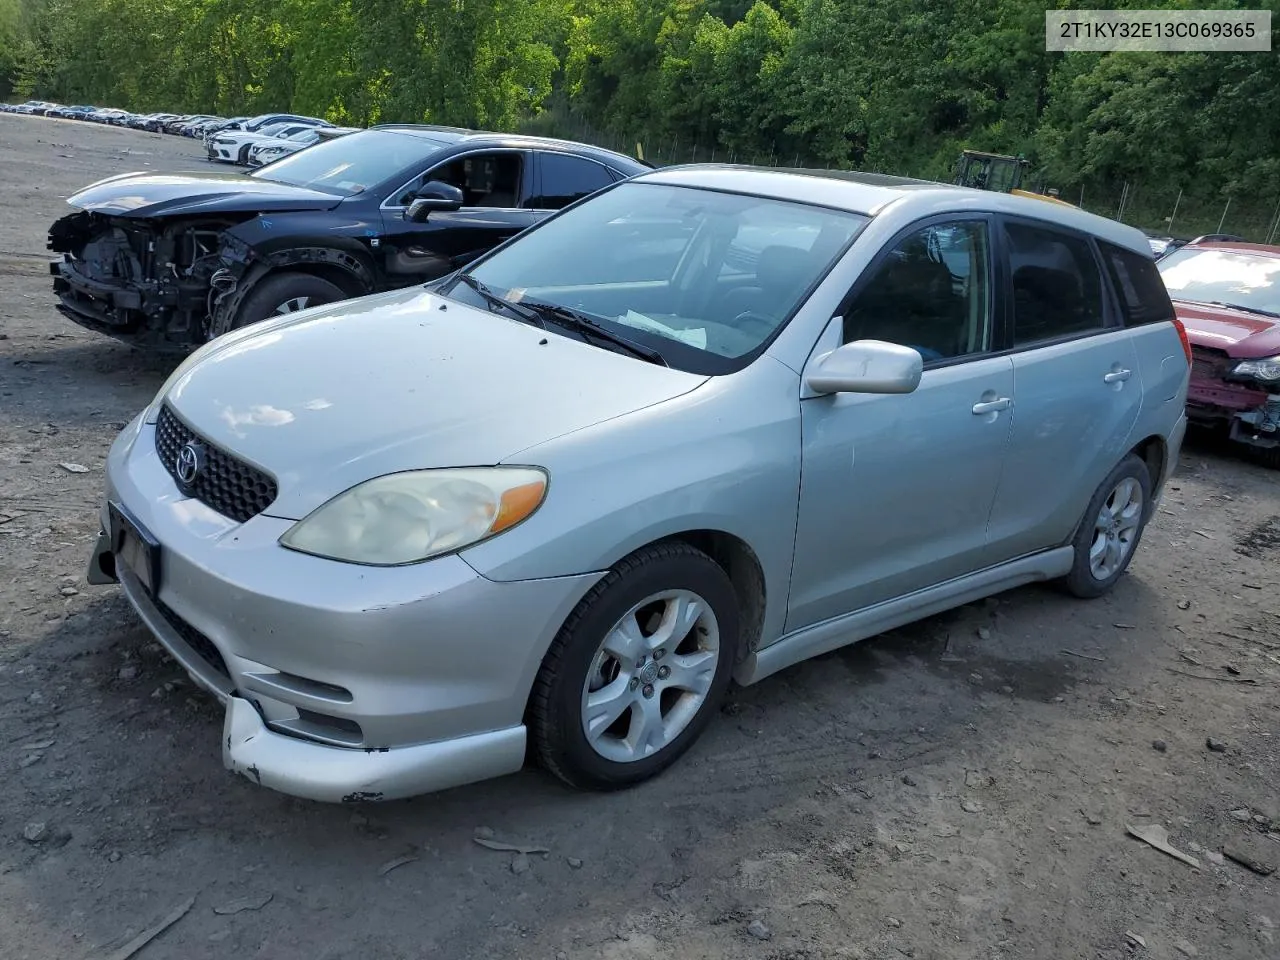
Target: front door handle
{"x":1117,"y":376}
{"x":991,"y":406}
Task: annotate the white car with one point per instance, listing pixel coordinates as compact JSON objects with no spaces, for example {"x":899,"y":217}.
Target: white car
{"x":232,"y":146}
{"x":269,"y":151}
{"x":265,"y":151}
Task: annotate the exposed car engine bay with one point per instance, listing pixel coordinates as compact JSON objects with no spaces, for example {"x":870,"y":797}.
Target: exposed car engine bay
{"x":129,"y":276}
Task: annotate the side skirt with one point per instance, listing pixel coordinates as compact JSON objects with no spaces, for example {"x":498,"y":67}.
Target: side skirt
{"x":848,"y":629}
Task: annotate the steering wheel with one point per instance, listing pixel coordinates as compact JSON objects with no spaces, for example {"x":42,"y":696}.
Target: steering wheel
{"x":752,"y":318}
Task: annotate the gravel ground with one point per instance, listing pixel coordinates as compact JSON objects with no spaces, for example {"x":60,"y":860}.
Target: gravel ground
{"x":957,"y":789}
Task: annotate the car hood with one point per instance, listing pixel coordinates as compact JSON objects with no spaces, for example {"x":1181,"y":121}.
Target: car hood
{"x":184,"y":194}
{"x":399,"y":381}
{"x":1240,"y":333}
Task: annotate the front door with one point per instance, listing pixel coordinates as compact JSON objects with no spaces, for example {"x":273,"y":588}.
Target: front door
{"x":1079,"y":389}
{"x":896,"y":490}
{"x":496,"y":186}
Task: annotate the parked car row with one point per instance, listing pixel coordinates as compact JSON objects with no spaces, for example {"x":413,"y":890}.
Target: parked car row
{"x":257,"y":142}
{"x":188,"y":125}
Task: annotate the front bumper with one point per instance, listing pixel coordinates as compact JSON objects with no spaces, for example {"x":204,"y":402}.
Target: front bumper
{"x":1249,"y":413}
{"x":340,"y":682}
{"x":223,"y":154}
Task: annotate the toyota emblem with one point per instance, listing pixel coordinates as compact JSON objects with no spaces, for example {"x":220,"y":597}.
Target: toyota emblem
{"x":189,"y":463}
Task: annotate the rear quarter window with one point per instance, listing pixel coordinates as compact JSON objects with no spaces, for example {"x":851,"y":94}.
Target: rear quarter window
{"x":1143,"y":296}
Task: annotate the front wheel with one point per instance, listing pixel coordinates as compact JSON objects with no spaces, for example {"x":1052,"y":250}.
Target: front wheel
{"x":286,"y":293}
{"x":1111,"y":529}
{"x":637,"y":671}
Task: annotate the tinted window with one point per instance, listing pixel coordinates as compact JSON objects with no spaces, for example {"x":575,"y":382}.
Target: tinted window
{"x":1244,"y":280}
{"x":1143,"y":297}
{"x":566,"y":178}
{"x":351,"y":164}
{"x":1057,"y":290}
{"x":485,"y":179}
{"x":931,"y":293}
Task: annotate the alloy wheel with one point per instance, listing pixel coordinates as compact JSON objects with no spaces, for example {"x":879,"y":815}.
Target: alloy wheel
{"x":650,"y":676}
{"x":293,"y":305}
{"x":1116,"y":529}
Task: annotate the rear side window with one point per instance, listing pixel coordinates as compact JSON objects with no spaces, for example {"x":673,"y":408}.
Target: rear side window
{"x":1143,"y":295}
{"x":1057,"y":288}
{"x":566,"y":179}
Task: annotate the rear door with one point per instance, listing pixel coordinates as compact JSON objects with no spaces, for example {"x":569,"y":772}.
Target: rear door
{"x":1078,"y":381}
{"x":497,"y":187}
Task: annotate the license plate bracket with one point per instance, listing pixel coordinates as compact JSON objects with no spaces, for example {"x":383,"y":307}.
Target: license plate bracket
{"x":135,"y":547}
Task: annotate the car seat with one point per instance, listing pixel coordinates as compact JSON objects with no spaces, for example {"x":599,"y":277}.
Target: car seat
{"x":781,"y":273}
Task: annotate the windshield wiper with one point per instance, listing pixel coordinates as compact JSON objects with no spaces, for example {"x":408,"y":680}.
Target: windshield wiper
{"x":1231,"y":306}
{"x":588,"y":326}
{"x":491,"y":298}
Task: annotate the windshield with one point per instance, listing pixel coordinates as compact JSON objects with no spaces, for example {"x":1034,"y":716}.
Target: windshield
{"x":704,"y":278}
{"x":350,"y":164}
{"x":1244,"y":280}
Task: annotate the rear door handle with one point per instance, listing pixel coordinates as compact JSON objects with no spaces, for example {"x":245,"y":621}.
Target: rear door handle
{"x":1117,"y":376}
{"x":991,"y":406}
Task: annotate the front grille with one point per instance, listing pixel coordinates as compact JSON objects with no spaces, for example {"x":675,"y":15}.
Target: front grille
{"x":196,"y":640}
{"x":1209,"y":363}
{"x":225,"y":483}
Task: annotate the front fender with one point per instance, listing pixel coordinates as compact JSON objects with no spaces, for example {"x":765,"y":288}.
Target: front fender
{"x":724,"y":457}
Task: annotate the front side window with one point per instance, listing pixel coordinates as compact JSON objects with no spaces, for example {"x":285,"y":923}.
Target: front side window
{"x":1056,"y":286}
{"x":485,"y":179}
{"x":1224,"y":278}
{"x":663,"y":265}
{"x":931,"y":293}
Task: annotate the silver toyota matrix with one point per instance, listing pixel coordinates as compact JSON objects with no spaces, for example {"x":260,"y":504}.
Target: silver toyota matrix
{"x":698,"y":427}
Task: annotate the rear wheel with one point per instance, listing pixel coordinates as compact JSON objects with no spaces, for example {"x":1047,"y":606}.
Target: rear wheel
{"x":284,"y":293}
{"x":1268,"y":457}
{"x":637,"y":671}
{"x":1111,"y":529}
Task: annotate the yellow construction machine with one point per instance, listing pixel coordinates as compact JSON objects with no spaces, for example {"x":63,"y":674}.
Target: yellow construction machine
{"x":994,"y":171}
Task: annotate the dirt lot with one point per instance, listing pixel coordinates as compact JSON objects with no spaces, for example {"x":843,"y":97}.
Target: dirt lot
{"x":958,"y":789}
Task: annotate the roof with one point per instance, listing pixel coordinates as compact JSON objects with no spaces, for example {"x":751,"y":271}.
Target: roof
{"x":1233,"y":246}
{"x":870,"y":194}
{"x":495,"y":138}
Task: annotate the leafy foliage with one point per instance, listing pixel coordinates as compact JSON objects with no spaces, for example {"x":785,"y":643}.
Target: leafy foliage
{"x":892,"y":85}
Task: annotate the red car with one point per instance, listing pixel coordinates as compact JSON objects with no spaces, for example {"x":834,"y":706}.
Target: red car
{"x":1227,"y":295}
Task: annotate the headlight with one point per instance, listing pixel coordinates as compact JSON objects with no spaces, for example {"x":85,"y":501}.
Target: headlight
{"x":413,"y":516}
{"x":1267,"y":369}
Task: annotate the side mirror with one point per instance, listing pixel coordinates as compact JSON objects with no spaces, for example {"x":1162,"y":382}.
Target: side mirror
{"x":433,"y":195}
{"x":866,"y":366}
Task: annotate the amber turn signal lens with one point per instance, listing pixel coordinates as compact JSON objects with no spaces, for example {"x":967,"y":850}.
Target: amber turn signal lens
{"x":517,"y":503}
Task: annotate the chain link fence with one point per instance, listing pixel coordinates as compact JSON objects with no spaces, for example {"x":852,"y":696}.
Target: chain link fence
{"x":1169,"y":210}
{"x":1160,"y":209}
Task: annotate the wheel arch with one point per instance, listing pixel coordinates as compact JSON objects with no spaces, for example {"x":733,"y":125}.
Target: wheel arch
{"x":1154,"y":452}
{"x":348,"y":268}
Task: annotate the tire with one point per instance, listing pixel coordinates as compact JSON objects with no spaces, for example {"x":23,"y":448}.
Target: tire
{"x":277,"y":291}
{"x":244,"y":155}
{"x":1268,"y":457}
{"x":1085,"y":580}
{"x":612,"y":759}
